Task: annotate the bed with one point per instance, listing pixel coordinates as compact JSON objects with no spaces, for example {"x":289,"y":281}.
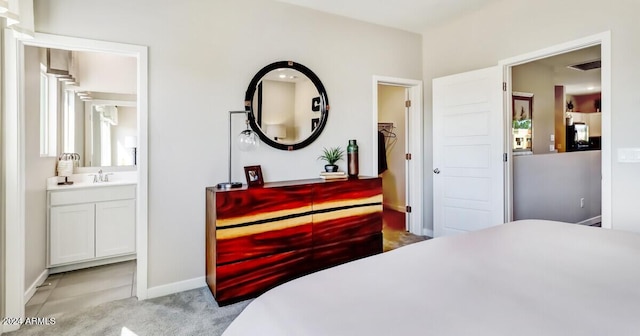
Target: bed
{"x":528,"y":277}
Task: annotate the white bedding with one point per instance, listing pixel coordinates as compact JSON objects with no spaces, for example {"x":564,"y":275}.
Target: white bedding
{"x":523,"y":278}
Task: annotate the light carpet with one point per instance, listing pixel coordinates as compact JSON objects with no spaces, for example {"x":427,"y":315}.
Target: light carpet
{"x":192,"y":312}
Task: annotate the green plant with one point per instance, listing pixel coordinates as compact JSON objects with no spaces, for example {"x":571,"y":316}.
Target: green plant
{"x":332,"y":155}
{"x":522,"y":124}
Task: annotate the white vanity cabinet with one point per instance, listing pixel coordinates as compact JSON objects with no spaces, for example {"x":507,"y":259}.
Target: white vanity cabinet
{"x":92,"y":224}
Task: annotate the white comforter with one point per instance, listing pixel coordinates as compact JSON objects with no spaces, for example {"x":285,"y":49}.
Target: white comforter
{"x":523,"y":278}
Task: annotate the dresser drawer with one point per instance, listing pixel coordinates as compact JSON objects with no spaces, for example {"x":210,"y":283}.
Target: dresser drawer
{"x":253,"y":241}
{"x":329,"y":255}
{"x":91,"y":195}
{"x":250,"y":278}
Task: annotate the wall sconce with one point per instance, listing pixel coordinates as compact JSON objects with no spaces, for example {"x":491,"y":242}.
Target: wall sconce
{"x":131,"y":142}
{"x":247,"y":141}
{"x":277,"y":131}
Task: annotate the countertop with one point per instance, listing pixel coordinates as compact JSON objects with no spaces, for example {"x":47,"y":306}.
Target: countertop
{"x":81,"y":181}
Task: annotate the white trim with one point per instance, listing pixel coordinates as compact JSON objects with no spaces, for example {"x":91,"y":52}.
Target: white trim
{"x":13,"y":178}
{"x":28,"y":294}
{"x":604,"y":40}
{"x":414,"y":190}
{"x":13,"y":130}
{"x":399,"y":208}
{"x":176,"y":287}
{"x":522,"y":94}
{"x":93,"y":263}
{"x":427,"y":232}
{"x":591,"y":221}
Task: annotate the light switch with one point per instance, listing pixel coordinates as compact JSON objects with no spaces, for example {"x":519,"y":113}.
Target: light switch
{"x":629,"y":155}
{"x":552,"y":137}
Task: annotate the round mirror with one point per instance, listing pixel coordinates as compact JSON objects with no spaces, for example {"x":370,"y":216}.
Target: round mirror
{"x":287,"y":105}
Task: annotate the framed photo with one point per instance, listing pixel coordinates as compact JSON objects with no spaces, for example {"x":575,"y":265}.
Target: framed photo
{"x":522,"y":122}
{"x":253,"y":175}
{"x":522,"y":107}
{"x":315,"y":104}
{"x":314,"y":123}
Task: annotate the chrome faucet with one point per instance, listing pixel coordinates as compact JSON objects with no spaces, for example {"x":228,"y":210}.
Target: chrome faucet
{"x":100,"y":177}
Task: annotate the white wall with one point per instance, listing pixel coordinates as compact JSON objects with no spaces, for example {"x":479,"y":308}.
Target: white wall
{"x":506,"y":28}
{"x":550,"y":186}
{"x":37,"y":171}
{"x":202,"y":56}
{"x":104,"y":72}
{"x":305,"y":92}
{"x":278,"y":100}
{"x":127,"y":126}
{"x":391,"y":108}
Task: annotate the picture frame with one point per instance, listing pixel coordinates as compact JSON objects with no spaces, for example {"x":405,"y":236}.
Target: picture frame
{"x":522,"y":122}
{"x":315,"y":104}
{"x":314,"y":123}
{"x":253,"y":175}
{"x":522,"y":107}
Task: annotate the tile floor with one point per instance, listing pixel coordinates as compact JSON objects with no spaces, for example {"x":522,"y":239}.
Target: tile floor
{"x":75,"y":290}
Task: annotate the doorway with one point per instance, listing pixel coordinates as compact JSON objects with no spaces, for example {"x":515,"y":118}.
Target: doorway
{"x":556,"y":176}
{"x":392,"y":135}
{"x":603,"y":40}
{"x":453,"y":98}
{"x":397,"y":148}
{"x":14,"y":128}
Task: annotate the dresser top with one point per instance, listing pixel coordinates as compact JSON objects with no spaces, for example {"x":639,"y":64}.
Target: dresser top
{"x":294,"y":183}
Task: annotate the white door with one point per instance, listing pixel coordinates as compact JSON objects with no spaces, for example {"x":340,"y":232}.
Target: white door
{"x":115,"y":228}
{"x":71,"y":233}
{"x":468,"y":147}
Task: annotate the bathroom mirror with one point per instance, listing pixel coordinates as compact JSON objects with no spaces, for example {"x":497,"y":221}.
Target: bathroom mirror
{"x":287,"y":104}
{"x":111,"y":133}
{"x":103,"y":132}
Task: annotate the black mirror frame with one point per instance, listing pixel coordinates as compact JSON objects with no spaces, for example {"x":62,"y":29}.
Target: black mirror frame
{"x":324,"y":104}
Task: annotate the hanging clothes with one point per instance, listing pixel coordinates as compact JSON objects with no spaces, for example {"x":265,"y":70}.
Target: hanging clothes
{"x":382,"y":153}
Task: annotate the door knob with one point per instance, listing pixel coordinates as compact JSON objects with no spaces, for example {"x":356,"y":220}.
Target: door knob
{"x":436,"y":171}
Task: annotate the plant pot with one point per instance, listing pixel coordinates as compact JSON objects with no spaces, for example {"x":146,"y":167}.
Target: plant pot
{"x":330,"y":168}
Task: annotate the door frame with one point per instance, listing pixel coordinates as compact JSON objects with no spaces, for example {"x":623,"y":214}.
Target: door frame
{"x":13,"y":112}
{"x":604,"y":40}
{"x":414,"y":167}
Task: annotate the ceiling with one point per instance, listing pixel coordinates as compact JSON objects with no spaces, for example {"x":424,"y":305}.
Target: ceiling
{"x":420,"y":15}
{"x":411,"y":15}
{"x":575,"y":82}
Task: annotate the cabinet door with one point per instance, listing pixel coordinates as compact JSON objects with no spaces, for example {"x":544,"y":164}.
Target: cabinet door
{"x":115,"y":228}
{"x":71,"y":233}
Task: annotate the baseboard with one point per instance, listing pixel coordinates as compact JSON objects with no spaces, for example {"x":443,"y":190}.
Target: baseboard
{"x":176,"y":287}
{"x":427,"y":232}
{"x":8,"y":328}
{"x":591,"y":221}
{"x":92,"y":263}
{"x":28,"y":294}
{"x":400,"y":208}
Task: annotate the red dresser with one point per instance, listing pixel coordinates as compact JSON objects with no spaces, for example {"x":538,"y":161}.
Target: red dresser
{"x":259,"y":237}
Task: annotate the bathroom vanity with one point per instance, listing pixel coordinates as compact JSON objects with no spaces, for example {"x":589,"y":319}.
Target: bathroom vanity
{"x":90,"y":224}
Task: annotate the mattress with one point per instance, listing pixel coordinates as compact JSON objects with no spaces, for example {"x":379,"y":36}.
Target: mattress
{"x":528,"y":277}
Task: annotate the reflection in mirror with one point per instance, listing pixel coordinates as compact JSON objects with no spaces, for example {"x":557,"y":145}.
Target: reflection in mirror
{"x":93,"y":97}
{"x":283,"y":105}
{"x":287,"y":104}
{"x":111,"y":128}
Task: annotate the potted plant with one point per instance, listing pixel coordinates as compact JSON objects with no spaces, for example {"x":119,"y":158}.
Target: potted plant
{"x":331,"y":155}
